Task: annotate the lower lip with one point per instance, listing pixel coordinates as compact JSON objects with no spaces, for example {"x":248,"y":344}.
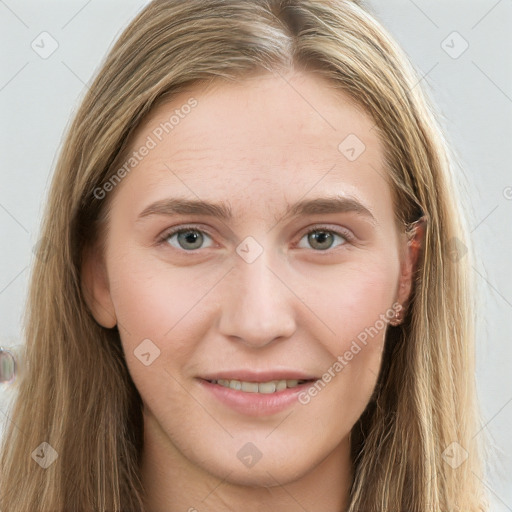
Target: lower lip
{"x":255,"y":404}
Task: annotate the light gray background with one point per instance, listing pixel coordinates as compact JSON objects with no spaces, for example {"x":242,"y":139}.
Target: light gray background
{"x":473,"y":92}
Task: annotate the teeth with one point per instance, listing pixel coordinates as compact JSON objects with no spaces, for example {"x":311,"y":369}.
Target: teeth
{"x":259,"y":387}
{"x":281,"y":384}
{"x":250,"y":387}
{"x":235,"y":384}
{"x":267,"y":387}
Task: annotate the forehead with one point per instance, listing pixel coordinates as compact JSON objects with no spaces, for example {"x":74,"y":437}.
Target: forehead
{"x":271,"y":136}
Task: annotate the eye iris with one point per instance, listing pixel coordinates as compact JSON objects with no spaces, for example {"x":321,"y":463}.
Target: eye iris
{"x":319,"y":237}
{"x":190,"y":237}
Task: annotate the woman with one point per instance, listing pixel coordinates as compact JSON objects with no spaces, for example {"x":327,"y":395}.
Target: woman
{"x":193,"y":343}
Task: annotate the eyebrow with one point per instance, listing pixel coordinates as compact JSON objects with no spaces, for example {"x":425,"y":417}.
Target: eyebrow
{"x":321,"y":205}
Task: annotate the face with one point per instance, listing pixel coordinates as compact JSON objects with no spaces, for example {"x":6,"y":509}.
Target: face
{"x":294,"y":282}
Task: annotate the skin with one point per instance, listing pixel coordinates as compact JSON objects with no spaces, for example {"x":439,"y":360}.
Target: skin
{"x":257,"y":145}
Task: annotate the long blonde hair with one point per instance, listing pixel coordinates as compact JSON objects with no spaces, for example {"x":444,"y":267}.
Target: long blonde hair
{"x":77,"y":394}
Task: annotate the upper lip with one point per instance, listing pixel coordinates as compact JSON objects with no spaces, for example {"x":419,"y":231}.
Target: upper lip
{"x":259,"y":376}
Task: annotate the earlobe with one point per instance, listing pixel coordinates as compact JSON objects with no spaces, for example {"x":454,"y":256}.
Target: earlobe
{"x":95,"y":288}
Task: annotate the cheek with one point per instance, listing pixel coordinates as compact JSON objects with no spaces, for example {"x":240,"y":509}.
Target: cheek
{"x":345,"y":388}
{"x":168,"y":306}
{"x":355,"y":304}
{"x":151,"y":297}
{"x":157,"y":329}
{"x":349,"y":299}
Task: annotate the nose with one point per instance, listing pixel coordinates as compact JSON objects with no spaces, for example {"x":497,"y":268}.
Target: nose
{"x":257,"y":304}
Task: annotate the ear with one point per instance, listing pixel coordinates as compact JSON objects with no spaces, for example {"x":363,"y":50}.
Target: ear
{"x":95,"y":287}
{"x":415,"y":239}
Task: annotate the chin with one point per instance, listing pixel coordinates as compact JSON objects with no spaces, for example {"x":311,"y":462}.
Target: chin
{"x":269,"y":471}
{"x":263,"y":476}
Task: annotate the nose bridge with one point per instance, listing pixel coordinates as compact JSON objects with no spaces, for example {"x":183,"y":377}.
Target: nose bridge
{"x":257,"y":307}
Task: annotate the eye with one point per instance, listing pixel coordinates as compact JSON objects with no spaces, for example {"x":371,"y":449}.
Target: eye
{"x":322,"y":239}
{"x":188,"y":238}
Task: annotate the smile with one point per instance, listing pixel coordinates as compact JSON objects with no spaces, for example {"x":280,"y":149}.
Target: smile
{"x":272,"y":386}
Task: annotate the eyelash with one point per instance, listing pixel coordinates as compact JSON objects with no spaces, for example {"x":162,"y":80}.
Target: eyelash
{"x":343,"y":233}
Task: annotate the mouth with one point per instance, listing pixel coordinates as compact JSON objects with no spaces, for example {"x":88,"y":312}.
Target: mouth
{"x":267,"y":387}
{"x":256,"y":393}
